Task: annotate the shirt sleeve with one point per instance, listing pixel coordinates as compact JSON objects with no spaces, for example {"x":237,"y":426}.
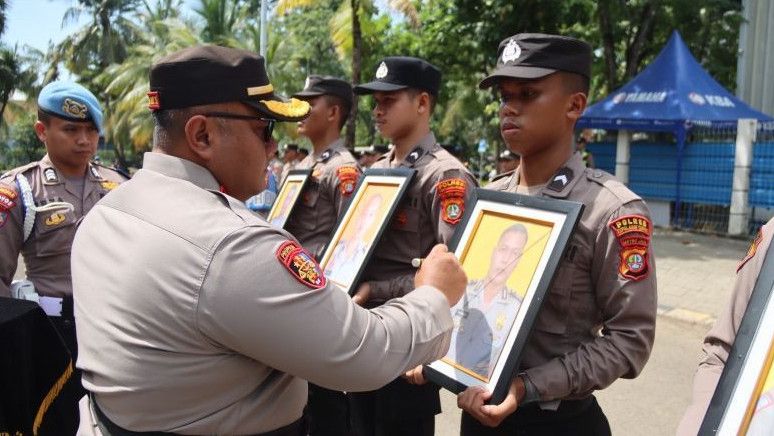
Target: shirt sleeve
{"x":628,"y":316}
{"x":11,"y":233}
{"x":384,"y":290}
{"x":253,"y":304}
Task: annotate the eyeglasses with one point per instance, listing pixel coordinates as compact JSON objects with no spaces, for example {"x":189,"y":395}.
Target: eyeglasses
{"x":267,"y":131}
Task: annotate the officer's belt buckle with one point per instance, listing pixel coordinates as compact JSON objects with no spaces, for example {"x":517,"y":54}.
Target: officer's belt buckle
{"x":51,"y":305}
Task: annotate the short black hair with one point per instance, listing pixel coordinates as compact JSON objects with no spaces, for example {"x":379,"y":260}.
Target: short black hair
{"x":345,"y":107}
{"x":44,"y":117}
{"x":169,"y":125}
{"x":575,"y":82}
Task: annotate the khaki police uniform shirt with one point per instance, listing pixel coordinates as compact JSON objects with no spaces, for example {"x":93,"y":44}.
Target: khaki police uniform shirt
{"x":335,"y":174}
{"x":428,"y":214}
{"x":47,"y":250}
{"x":720,"y":339}
{"x":567,"y":357}
{"x":189,"y":320}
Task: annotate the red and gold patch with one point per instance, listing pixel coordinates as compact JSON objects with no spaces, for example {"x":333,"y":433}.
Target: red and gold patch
{"x":633,"y":233}
{"x":154,"y":103}
{"x":347,"y":176}
{"x":752,"y":250}
{"x":7,"y":198}
{"x":452,"y":194}
{"x":301,"y":265}
{"x":401,"y":219}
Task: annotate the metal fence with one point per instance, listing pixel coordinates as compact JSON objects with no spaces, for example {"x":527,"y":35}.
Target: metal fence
{"x":692,"y":189}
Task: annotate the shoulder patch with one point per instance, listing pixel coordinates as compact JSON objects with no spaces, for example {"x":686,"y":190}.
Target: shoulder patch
{"x":452,"y":195}
{"x":633,"y":233}
{"x":301,"y":265}
{"x":347,"y":176}
{"x":752,"y":250}
{"x":8,"y":197}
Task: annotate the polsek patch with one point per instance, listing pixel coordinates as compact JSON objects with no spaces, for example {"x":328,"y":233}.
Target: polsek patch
{"x":7,"y":198}
{"x":633,"y":234}
{"x":347,"y":176}
{"x":301,"y":265}
{"x":452,"y":195}
{"x":752,"y":250}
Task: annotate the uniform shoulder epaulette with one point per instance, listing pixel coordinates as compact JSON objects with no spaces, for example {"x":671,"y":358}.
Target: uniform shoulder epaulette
{"x":18,"y":170}
{"x":114,"y":169}
{"x":609,"y":182}
{"x":502,"y":175}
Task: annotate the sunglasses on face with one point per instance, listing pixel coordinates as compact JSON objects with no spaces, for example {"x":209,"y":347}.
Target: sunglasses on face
{"x":267,"y":131}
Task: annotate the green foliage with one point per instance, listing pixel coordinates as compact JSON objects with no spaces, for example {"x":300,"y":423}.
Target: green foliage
{"x":24,"y":145}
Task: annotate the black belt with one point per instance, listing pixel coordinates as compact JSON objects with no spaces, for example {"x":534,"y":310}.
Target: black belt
{"x":109,"y":428}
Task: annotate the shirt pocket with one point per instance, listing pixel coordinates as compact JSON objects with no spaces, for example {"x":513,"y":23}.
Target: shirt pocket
{"x":554,"y":314}
{"x":404,"y":233}
{"x":308,"y":203}
{"x":54,"y":232}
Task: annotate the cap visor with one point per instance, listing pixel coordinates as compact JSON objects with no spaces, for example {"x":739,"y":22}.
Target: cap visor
{"x":371,"y":87}
{"x":515,"y":72}
{"x":308,"y":94}
{"x":278,"y":109}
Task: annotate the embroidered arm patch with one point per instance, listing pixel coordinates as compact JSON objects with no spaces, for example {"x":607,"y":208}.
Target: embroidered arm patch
{"x":347,"y":176}
{"x":633,"y":234}
{"x":452,"y":195}
{"x":301,"y":265}
{"x":7,"y":197}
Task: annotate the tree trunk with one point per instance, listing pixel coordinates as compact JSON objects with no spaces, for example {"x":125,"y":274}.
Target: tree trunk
{"x":357,"y":57}
{"x":608,"y":44}
{"x":634,"y":53}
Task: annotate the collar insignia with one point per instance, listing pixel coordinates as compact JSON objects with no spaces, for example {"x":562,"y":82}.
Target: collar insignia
{"x":414,"y":155}
{"x":50,"y":175}
{"x":560,"y":180}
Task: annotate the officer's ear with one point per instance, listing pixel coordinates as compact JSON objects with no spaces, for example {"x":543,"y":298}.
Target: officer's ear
{"x":198,"y":134}
{"x":576,"y":105}
{"x":41,"y":130}
{"x":425,"y":103}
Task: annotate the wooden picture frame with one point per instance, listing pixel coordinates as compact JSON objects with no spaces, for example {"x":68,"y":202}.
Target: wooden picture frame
{"x":510,"y":246}
{"x":368,"y":214}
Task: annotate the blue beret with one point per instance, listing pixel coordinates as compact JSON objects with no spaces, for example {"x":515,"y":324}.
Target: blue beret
{"x":70,"y":101}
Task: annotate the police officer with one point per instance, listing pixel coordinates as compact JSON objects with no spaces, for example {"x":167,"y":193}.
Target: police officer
{"x":405,"y":91}
{"x":196,"y":316}
{"x":290,"y":159}
{"x":334,"y":176}
{"x":607,"y":277}
{"x":41,"y":202}
{"x":507,"y":161}
{"x":720,"y":339}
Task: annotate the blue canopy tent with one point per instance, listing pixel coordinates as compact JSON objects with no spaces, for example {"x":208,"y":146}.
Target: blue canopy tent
{"x":673,"y":94}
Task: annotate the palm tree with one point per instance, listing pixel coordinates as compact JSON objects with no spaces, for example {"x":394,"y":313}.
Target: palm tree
{"x":347,"y":36}
{"x":17,"y":73}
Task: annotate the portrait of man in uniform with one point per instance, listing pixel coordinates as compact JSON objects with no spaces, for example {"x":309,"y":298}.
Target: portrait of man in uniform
{"x":286,"y":199}
{"x":487,"y":310}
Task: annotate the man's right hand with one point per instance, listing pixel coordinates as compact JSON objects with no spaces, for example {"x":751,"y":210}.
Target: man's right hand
{"x":441,"y":270}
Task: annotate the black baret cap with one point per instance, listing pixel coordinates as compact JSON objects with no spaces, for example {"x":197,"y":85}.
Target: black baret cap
{"x":326,"y":85}
{"x":401,"y":72}
{"x":536,"y":55}
{"x":210,"y":74}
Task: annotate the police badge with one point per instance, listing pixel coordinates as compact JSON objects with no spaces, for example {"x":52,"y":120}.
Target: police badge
{"x":381,"y":72}
{"x":511,"y":52}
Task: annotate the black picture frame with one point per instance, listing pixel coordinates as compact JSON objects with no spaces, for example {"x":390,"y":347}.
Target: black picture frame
{"x":749,"y":362}
{"x":286,"y":201}
{"x":546,"y":226}
{"x":343,"y":265}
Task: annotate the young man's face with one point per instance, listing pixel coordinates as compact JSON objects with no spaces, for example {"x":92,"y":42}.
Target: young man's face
{"x":395,"y":113}
{"x":68,"y":143}
{"x":316,"y":124}
{"x":536,"y":114}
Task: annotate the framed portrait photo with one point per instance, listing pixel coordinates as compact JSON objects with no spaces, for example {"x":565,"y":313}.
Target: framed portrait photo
{"x":287,"y":197}
{"x":743,"y":402}
{"x":369,"y":212}
{"x":510,"y":246}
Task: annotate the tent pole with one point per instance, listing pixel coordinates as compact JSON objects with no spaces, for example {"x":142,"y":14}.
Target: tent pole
{"x":622,"y":156}
{"x":681,"y":134}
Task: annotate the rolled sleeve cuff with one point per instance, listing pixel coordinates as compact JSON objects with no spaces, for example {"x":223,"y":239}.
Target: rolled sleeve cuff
{"x":550,"y":380}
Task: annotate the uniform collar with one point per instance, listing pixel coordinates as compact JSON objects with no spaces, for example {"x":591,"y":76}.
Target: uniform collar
{"x":178,"y":168}
{"x":425,"y":146}
{"x":330,"y":151}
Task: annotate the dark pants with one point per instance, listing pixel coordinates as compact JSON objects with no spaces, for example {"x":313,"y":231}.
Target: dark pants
{"x":65,"y":326}
{"x":573,"y":418}
{"x":396,"y":409}
{"x":327,"y":412}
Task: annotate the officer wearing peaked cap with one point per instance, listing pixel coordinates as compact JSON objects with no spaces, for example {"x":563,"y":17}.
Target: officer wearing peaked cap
{"x":196,"y":316}
{"x":41,"y":202}
{"x":405,"y":90}
{"x":335,"y":174}
{"x":607,"y":277}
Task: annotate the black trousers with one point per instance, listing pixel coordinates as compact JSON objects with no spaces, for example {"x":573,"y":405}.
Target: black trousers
{"x":396,"y":409}
{"x":573,"y":418}
{"x":327,"y":412}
